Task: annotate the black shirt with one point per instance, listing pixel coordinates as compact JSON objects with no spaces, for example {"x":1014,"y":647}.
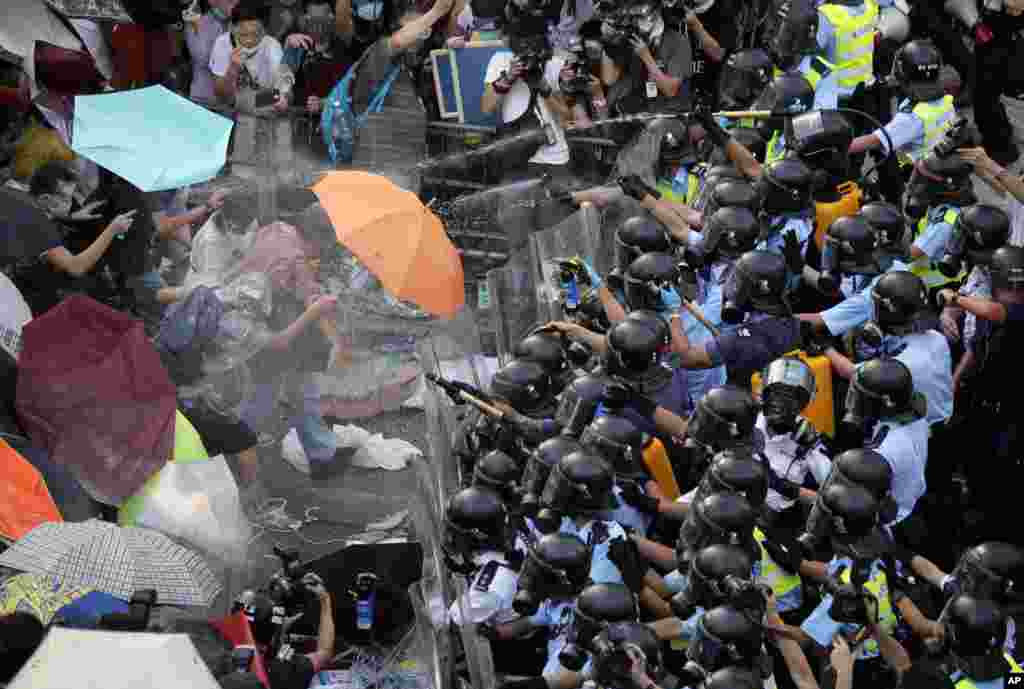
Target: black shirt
{"x":296,"y":673}
{"x":997,"y":347}
{"x":719,"y":21}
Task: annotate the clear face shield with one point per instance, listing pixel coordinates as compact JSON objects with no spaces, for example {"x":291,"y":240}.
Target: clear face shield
{"x":624,"y":459}
{"x":788,"y":387}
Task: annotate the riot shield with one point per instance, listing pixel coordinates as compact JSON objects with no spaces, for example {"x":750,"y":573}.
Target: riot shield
{"x":513,"y":293}
{"x":641,"y":156}
{"x":577,"y":235}
{"x":476,"y":649}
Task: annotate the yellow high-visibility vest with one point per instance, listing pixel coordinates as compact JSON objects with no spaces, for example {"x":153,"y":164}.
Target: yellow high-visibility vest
{"x":855,"y":42}
{"x":879,"y":587}
{"x":777,"y":579}
{"x":966,"y":682}
{"x":923,"y":268}
{"x":937,"y":116}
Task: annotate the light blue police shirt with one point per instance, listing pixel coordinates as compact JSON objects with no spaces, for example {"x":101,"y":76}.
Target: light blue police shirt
{"x":855,"y":310}
{"x":905,"y":447}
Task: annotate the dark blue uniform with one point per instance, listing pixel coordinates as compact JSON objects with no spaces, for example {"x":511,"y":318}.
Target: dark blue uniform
{"x":751,"y":346}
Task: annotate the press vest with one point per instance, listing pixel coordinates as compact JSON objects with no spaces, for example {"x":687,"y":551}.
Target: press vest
{"x":937,"y":116}
{"x":855,"y":43}
{"x":878,"y":586}
{"x":966,"y":682}
{"x":780,"y":581}
{"x":922,"y":267}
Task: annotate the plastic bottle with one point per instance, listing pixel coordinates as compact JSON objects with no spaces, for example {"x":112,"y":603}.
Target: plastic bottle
{"x":366,"y":592}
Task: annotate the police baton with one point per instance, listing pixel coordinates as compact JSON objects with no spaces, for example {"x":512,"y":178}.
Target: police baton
{"x":696,"y":313}
{"x":744,"y":114}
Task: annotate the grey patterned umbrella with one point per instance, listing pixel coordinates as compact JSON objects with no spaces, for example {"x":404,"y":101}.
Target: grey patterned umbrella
{"x":116,"y":560}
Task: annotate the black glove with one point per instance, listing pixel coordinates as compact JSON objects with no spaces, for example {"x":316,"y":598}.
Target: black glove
{"x":713,"y":130}
{"x":634,"y":495}
{"x":814,"y":342}
{"x":784,"y":487}
{"x":788,"y":556}
{"x":624,"y":554}
{"x":635,"y":187}
{"x":792,"y":252}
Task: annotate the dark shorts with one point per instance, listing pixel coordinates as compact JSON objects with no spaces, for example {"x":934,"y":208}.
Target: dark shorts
{"x":222,"y":432}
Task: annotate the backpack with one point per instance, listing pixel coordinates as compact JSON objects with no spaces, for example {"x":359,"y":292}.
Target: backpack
{"x":338,"y":124}
{"x":186,"y":328}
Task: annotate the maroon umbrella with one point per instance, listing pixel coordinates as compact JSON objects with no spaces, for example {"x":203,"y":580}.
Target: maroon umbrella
{"x":92,"y":391}
{"x":70,"y":72}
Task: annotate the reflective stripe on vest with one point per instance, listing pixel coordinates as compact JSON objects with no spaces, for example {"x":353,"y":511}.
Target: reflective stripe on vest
{"x":922,"y":267}
{"x":855,"y":42}
{"x":692,"y":190}
{"x":773,"y":576}
{"x":966,"y":682}
{"x":878,"y":586}
{"x":937,"y":117}
{"x":817,"y":70}
{"x":775,"y":150}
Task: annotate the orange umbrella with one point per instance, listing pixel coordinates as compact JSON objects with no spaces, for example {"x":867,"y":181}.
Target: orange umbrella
{"x":25,"y":501}
{"x":396,"y":237}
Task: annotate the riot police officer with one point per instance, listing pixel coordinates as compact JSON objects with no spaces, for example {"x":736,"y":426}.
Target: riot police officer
{"x":793,"y":46}
{"x":755,"y":298}
{"x":728,"y":637}
{"x":621,"y":444}
{"x":789,"y":94}
{"x":846,"y":38}
{"x":501,"y":473}
{"x":538,"y":467}
{"x":620,"y":642}
{"x":898,"y":299}
{"x":975,"y":631}
{"x":480,"y":544}
{"x":523,"y":389}
{"x":546,"y":349}
{"x":578,"y":403}
{"x":636,"y":236}
{"x":743,"y":77}
{"x":884,"y":414}
{"x":597,"y":607}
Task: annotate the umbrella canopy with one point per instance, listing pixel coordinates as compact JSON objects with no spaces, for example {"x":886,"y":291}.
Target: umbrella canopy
{"x":25,"y":502}
{"x":114,"y":660}
{"x":48,"y":599}
{"x":28,"y":21}
{"x":25,"y":230}
{"x":108,"y":10}
{"x":66,"y":71}
{"x":99,"y":402}
{"x":151,"y":137}
{"x":14,"y":314}
{"x":400,"y":240}
{"x":115,"y":560}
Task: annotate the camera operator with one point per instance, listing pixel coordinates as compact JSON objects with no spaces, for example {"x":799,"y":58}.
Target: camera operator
{"x":646,"y":66}
{"x":523,"y":84}
{"x":997,"y":65}
{"x":285,"y":668}
{"x":710,"y":27}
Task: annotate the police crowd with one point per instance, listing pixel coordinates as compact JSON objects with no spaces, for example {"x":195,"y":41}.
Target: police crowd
{"x":772,"y":445}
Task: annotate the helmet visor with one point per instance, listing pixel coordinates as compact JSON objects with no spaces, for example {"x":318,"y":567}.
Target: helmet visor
{"x":622,"y":457}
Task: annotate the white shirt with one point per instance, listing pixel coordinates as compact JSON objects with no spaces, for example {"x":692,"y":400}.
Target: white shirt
{"x":781,"y":451}
{"x":262,"y":66}
{"x":517,"y":100}
{"x":489,"y":598}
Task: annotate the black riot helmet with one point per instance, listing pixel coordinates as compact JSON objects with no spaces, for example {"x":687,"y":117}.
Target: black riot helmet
{"x":579,"y":485}
{"x":787,"y":387}
{"x":871,"y":471}
{"x":889,"y":224}
{"x":547,"y":349}
{"x":726,"y":637}
{"x":899,"y":297}
{"x":822,"y":140}
{"x":591,"y":314}
{"x":525,"y":385}
{"x":639,"y":235}
{"x":612,"y":664}
{"x":790,"y":93}
{"x":499,"y":472}
{"x":758,"y":282}
{"x":675,"y":151}
{"x":723,"y":518}
{"x":731,"y":232}
{"x":732,"y":193}
{"x":917,"y":67}
{"x":597,"y":606}
{"x":980,"y":229}
{"x":723,"y":419}
{"x":976,"y":633}
{"x":736,"y":471}
{"x":713,"y":569}
{"x":786,"y":186}
{"x":990,"y":570}
{"x":556,"y":566}
{"x":847,"y":515}
{"x":475,"y":520}
{"x":743,"y":77}
{"x":794,"y":33}
{"x":619,"y":441}
{"x":850,"y":244}
{"x":579,"y":403}
{"x":1007,"y":268}
{"x":538,"y":469}
{"x":647,"y":276}
{"x":717,"y":172}
{"x":633,"y":347}
{"x":880,"y":389}
{"x":948,"y":181}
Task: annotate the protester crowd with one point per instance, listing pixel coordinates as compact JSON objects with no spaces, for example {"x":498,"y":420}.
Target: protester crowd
{"x":774,"y":443}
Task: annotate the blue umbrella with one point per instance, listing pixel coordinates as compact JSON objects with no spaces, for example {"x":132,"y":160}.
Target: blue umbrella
{"x":151,"y":137}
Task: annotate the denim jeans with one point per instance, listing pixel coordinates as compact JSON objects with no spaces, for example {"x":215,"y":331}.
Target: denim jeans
{"x":318,"y":441}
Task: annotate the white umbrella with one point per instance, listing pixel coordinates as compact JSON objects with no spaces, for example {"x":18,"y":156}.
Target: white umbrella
{"x":14,"y":314}
{"x":28,"y":21}
{"x":114,"y":660}
{"x":115,"y":560}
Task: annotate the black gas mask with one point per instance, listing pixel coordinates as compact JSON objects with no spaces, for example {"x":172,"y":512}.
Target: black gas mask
{"x":579,"y":402}
{"x":540,"y":580}
{"x":710,"y":652}
{"x":788,"y":386}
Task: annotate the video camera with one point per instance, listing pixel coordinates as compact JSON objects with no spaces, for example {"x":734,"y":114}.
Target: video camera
{"x":850,"y":603}
{"x":583,"y":56}
{"x":961,"y":134}
{"x":286,"y":587}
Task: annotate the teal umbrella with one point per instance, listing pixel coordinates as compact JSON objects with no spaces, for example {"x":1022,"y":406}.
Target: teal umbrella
{"x":151,"y":137}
